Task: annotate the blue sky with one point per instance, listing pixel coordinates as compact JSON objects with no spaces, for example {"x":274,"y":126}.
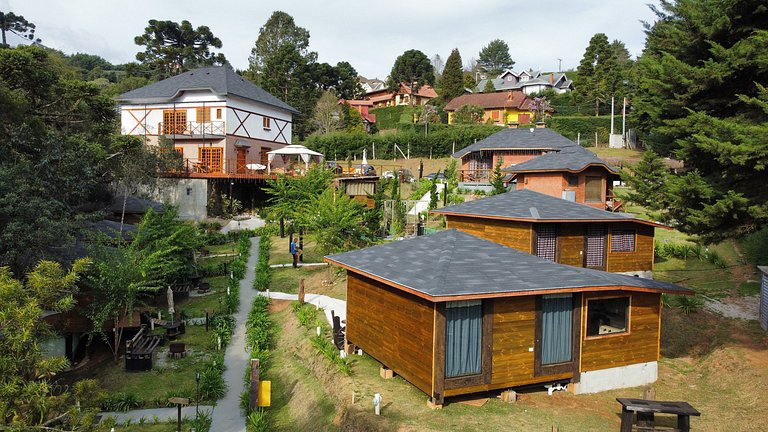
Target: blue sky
{"x":369,"y":35}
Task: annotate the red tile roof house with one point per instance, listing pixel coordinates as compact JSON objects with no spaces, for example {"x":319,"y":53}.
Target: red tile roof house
{"x":362,"y":107}
{"x":455,"y":314}
{"x":386,"y":97}
{"x":505,"y":108}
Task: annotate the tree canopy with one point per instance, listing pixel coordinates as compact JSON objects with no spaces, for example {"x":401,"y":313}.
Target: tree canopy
{"x":413,"y":69}
{"x":699,"y":98}
{"x":468,"y":114}
{"x":495,"y":57}
{"x":602,"y":71}
{"x":452,"y":80}
{"x":172,"y":48}
{"x":280,"y":29}
{"x":18,"y":25}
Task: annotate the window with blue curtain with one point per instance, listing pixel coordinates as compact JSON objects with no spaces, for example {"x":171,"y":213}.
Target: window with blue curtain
{"x":463,"y":337}
{"x":556,"y":328}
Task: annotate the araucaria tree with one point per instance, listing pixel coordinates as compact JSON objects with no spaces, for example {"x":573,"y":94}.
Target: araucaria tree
{"x":452,"y":80}
{"x":495,"y":57}
{"x":413,"y":69}
{"x":16,"y":24}
{"x":172,"y":48}
{"x":700,"y":97}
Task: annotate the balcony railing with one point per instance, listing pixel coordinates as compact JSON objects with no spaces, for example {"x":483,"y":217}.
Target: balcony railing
{"x":217,"y":168}
{"x":192,"y":128}
{"x":474,"y":175}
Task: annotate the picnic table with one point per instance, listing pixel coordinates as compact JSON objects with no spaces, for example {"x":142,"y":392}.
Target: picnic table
{"x":646,"y":409}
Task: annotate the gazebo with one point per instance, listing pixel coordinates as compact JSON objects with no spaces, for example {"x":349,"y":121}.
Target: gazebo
{"x":300,"y":151}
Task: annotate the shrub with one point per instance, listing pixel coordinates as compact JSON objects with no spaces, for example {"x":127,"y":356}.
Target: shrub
{"x":259,"y":326}
{"x":212,"y":384}
{"x":571,"y":126}
{"x":258,"y":421}
{"x":328,"y":349}
{"x":223,"y":326}
{"x":306,"y":314}
{"x":121,"y":402}
{"x":688,"y":304}
{"x":263,"y":271}
{"x":202,"y":423}
{"x":755,"y":247}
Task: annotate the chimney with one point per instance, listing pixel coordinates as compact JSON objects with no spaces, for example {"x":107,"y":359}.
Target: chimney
{"x":552,"y":78}
{"x":540,"y":125}
{"x":509,"y":95}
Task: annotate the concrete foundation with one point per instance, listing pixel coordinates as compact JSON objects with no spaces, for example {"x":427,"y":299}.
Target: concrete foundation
{"x":616,"y":378}
{"x":190,"y":196}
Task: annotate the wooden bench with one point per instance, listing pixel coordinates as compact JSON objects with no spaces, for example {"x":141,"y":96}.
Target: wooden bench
{"x":646,"y":409}
{"x":139,"y":350}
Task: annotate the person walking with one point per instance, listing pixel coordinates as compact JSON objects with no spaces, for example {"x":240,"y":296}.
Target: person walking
{"x":294,"y":249}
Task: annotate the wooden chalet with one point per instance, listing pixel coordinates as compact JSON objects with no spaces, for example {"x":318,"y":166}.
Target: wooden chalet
{"x":559,"y":230}
{"x":455,"y":314}
{"x":221,"y":124}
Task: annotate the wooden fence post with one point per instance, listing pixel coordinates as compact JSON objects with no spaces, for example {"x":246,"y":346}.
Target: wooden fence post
{"x":254,"y":399}
{"x":301,"y":291}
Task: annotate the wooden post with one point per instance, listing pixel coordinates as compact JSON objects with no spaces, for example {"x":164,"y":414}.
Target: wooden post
{"x":254,"y":399}
{"x":178,"y":418}
{"x":301,"y":291}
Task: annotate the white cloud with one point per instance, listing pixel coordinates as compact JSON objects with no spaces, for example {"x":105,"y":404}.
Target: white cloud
{"x":368,"y":35}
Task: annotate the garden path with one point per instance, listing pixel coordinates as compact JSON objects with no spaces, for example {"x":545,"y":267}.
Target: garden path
{"x":227,"y":415}
{"x":149,"y":415}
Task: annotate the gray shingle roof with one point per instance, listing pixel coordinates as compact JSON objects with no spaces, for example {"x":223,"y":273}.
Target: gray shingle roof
{"x":452,"y":263}
{"x":526,"y":204}
{"x":221,"y":80}
{"x":543,"y":138}
{"x":574,"y":158}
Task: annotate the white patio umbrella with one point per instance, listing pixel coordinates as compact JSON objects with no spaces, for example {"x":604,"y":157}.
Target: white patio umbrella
{"x":365,"y":159}
{"x":169,"y":293}
{"x":292,"y":150}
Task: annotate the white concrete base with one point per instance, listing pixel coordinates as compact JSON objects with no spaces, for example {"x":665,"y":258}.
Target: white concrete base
{"x":645,"y":274}
{"x":189,"y":195}
{"x":616,"y":378}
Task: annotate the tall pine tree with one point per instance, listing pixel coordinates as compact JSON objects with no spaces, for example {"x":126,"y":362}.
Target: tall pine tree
{"x":452,"y":81}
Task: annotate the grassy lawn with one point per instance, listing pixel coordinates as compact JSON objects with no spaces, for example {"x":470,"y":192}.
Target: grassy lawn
{"x":209,"y":261}
{"x":621,"y":153}
{"x":280,"y":247}
{"x":196,"y":306}
{"x":718,"y":365}
{"x":168,"y":377}
{"x":225,"y":248}
{"x":317,"y":280}
{"x":163,"y":425}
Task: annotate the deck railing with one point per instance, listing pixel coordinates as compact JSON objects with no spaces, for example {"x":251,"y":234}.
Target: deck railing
{"x":216,"y":168}
{"x":474,"y":175}
{"x":192,"y":128}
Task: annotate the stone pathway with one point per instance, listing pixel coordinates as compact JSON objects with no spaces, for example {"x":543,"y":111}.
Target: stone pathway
{"x":227,"y":415}
{"x":243,"y":222}
{"x":322,"y":264}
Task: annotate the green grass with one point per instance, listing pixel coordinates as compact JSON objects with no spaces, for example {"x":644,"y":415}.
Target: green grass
{"x":749,"y":288}
{"x":279,"y":251}
{"x":222,"y":248}
{"x":209,"y":261}
{"x":195,"y":306}
{"x":150,"y":426}
{"x":287,"y":279}
{"x":175,"y":376}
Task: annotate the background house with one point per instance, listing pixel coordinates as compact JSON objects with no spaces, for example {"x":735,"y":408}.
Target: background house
{"x":362,"y":106}
{"x":455,"y":314}
{"x":217,"y":120}
{"x":559,"y":230}
{"x":384,"y":97}
{"x":505,"y":108}
{"x":573,"y":173}
{"x":529,"y":82}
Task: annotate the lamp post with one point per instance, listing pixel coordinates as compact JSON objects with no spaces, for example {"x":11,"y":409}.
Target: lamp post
{"x":197,"y":397}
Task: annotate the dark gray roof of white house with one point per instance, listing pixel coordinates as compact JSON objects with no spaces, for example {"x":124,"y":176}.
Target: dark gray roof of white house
{"x":574,"y":158}
{"x":526,"y":204}
{"x":534,"y":138}
{"x":452,"y":263}
{"x":221,"y":80}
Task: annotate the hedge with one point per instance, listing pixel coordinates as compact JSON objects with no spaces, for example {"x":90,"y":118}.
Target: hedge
{"x":389,"y":117}
{"x":339,"y":145}
{"x":571,"y":126}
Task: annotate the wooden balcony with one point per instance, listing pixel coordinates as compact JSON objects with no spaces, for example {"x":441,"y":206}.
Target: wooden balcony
{"x":193,"y":130}
{"x":475,"y":175}
{"x":218,"y":169}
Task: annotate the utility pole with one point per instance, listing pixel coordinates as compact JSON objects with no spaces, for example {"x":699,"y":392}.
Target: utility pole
{"x":559,"y":65}
{"x":624,"y":123}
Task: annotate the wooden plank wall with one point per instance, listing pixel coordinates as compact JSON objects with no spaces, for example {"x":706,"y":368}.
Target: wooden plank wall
{"x":640,"y":345}
{"x":512,"y":234}
{"x":639,"y":260}
{"x":570,"y":244}
{"x":392,"y":326}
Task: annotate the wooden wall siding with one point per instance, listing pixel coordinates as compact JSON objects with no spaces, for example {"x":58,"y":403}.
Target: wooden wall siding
{"x":639,"y":260}
{"x":512,"y":234}
{"x":392,"y":326}
{"x":640,"y":345}
{"x":570,"y":241}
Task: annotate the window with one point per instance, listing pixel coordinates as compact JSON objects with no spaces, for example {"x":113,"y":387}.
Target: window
{"x":203,"y":115}
{"x":546,"y":242}
{"x":179,"y":150}
{"x":595,"y":256}
{"x":266,"y":122}
{"x":556,"y":331}
{"x":607,"y":316}
{"x":463,"y":334}
{"x":622,"y":241}
{"x":594,"y":189}
{"x":174,"y":122}
{"x":572,"y":179}
{"x":218,"y":113}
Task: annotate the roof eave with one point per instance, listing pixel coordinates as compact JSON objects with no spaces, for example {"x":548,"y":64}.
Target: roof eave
{"x":520,"y":219}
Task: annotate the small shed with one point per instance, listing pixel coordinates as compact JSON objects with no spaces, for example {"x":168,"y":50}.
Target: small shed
{"x":763,"y":297}
{"x":455,"y":314}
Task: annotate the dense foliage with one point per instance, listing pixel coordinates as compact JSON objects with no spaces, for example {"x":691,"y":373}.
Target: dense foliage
{"x":452,"y":79}
{"x":495,"y":58}
{"x":413,"y":69}
{"x":700,"y":98}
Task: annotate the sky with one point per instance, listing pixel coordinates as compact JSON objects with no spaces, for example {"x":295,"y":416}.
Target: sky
{"x":369,"y":35}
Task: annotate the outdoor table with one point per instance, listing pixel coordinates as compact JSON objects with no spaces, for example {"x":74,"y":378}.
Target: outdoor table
{"x":646,"y":409}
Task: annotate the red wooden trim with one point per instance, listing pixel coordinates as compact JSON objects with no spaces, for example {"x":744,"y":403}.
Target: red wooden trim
{"x":470,"y":215}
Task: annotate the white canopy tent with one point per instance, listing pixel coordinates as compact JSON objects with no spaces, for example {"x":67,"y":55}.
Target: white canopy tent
{"x":293,"y":150}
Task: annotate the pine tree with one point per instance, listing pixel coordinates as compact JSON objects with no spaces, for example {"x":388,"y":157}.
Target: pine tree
{"x":489,"y":87}
{"x":452,"y":80}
